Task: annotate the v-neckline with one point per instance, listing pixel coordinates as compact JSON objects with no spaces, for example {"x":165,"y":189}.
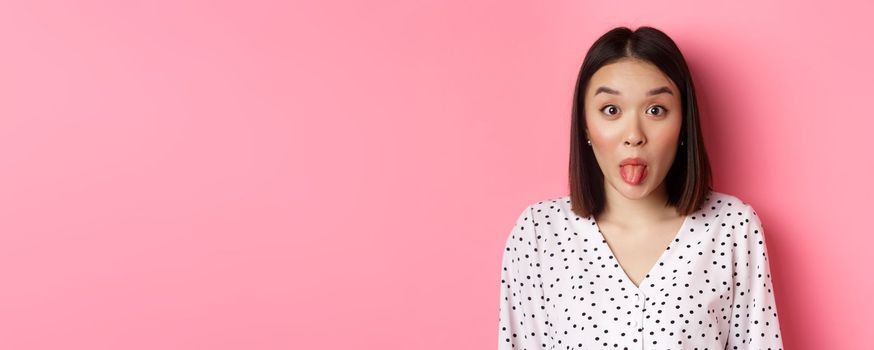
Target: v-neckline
{"x":649,"y":274}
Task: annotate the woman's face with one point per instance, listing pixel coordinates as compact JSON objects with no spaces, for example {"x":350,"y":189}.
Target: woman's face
{"x":633,"y":111}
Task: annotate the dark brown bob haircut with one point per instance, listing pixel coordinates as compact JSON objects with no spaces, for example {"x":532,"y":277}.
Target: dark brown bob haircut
{"x":688,"y":181}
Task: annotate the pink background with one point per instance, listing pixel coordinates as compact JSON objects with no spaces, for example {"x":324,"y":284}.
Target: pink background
{"x":337,"y":175}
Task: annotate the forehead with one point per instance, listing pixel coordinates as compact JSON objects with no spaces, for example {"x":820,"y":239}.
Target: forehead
{"x":630,"y":77}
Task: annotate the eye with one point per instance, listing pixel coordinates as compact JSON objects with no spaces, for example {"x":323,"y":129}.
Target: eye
{"x":610,"y":110}
{"x":657,"y":109}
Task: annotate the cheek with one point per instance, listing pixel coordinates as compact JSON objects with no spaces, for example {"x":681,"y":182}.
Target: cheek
{"x":665,"y":137}
{"x":665,"y":143}
{"x":602,"y":134}
{"x":666,"y":134}
{"x":603,"y":141}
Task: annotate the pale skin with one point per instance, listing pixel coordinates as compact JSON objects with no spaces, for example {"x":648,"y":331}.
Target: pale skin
{"x":639,"y":114}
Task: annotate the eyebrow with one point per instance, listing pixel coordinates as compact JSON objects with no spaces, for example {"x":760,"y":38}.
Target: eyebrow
{"x":656,"y":91}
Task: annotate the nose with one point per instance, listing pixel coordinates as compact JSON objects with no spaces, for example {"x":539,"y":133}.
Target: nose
{"x":635,"y":136}
{"x":634,"y":141}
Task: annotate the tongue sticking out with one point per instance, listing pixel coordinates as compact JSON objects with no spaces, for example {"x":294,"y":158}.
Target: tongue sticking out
{"x":632,"y":174}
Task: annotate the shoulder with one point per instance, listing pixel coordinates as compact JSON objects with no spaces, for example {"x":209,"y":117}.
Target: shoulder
{"x":551,"y":210}
{"x":537,"y":215}
{"x":738,"y":214}
{"x":736,"y":203}
{"x":727,"y":205}
{"x":526,"y":238}
{"x":547,"y":204}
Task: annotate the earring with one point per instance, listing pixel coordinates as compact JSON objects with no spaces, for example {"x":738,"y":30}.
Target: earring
{"x":590,"y":142}
{"x":682,"y":143}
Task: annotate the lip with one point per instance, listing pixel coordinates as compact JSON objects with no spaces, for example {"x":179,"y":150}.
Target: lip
{"x":632,"y":161}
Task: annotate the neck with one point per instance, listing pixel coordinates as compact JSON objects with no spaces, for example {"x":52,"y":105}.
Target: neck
{"x":637,"y":212}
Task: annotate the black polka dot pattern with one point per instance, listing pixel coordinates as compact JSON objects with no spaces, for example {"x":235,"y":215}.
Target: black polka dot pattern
{"x":562,"y":288}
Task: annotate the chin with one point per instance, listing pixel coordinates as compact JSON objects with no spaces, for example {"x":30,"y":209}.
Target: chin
{"x":638,"y":191}
{"x":635,"y":193}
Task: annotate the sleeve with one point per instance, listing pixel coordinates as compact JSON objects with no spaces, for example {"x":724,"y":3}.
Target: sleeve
{"x":523,"y":323}
{"x":754,"y":323}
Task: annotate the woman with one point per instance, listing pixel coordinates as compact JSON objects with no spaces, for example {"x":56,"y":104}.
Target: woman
{"x":642,"y":254}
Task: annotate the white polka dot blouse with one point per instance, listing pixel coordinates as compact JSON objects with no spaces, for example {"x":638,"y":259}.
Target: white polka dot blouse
{"x":562,"y":288}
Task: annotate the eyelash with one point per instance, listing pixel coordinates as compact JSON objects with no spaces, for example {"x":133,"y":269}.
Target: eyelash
{"x":664,"y":110}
